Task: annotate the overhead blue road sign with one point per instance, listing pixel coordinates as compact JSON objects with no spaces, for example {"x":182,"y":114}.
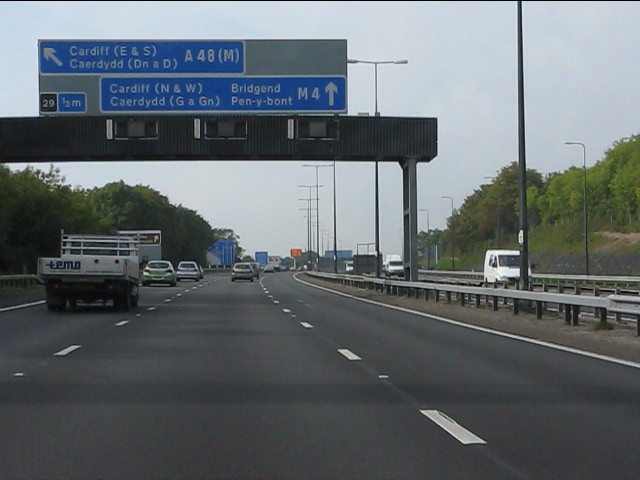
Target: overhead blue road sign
{"x":225,"y":251}
{"x":88,"y":57}
{"x":223,"y":94}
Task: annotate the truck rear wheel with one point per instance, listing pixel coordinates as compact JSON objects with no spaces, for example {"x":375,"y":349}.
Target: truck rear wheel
{"x":135,"y":295}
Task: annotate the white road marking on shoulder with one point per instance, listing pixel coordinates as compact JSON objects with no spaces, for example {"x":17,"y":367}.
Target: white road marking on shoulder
{"x":24,"y":305}
{"x":67,"y":350}
{"x":349,"y":354}
{"x":463,"y":435}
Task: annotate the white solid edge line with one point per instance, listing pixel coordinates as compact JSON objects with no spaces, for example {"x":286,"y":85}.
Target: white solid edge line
{"x":24,"y":305}
{"x":542,"y":343}
{"x":349,"y":354}
{"x":67,"y":350}
{"x":463,"y":435}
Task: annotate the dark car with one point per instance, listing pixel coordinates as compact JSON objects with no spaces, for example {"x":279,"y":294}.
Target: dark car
{"x":189,"y":270}
{"x":242,"y":271}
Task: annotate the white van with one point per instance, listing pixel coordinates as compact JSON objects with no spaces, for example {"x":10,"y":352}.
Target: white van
{"x":502,"y":266}
{"x":393,"y":266}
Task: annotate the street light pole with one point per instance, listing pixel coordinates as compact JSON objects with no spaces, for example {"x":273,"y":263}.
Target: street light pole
{"x":375,"y":63}
{"x":308,"y":210}
{"x":497,"y":210}
{"x":335,"y":223}
{"x":584,"y":203}
{"x":310,"y":228}
{"x":453,"y":236}
{"x":318,"y":205}
{"x":428,"y":252}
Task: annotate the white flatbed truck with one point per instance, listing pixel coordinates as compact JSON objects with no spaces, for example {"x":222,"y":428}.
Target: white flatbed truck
{"x":92,"y":268}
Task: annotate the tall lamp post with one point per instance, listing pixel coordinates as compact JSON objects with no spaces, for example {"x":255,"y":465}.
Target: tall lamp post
{"x":584,"y":203}
{"x":308,"y":217}
{"x":318,"y":201}
{"x":428,"y":252}
{"x":310,"y":199}
{"x":375,"y":63}
{"x":335,"y":223}
{"x":453,"y":236}
{"x":497,"y":210}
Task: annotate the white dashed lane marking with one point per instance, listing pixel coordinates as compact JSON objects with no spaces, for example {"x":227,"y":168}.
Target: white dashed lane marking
{"x":349,"y":354}
{"x":67,"y":350}
{"x":463,"y":435}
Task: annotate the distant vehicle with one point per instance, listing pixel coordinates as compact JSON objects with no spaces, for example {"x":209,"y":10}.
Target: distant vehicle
{"x":242,"y":271}
{"x":159,"y":272}
{"x":276,"y":261}
{"x":256,"y":269}
{"x":502,"y":266}
{"x":393,"y":266}
{"x":189,"y":270}
{"x":269,"y":268}
{"x":348,"y":266}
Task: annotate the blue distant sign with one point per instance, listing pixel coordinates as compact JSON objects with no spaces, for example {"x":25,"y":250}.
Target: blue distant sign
{"x":342,"y":254}
{"x":88,"y":57}
{"x":223,"y":94}
{"x":225,"y":251}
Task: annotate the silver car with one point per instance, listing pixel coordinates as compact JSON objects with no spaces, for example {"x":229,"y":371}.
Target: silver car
{"x":189,"y":270}
{"x":242,"y":271}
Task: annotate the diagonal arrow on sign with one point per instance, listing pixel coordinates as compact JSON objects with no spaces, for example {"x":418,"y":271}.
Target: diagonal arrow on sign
{"x":50,"y":54}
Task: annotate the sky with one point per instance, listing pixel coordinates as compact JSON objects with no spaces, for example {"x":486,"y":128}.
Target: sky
{"x":581,"y":65}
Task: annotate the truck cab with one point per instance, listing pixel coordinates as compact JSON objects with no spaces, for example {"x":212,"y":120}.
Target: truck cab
{"x":502,"y":266}
{"x":393,"y":266}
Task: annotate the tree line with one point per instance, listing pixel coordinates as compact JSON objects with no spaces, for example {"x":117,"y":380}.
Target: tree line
{"x":490,"y":216}
{"x":36,"y":205}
